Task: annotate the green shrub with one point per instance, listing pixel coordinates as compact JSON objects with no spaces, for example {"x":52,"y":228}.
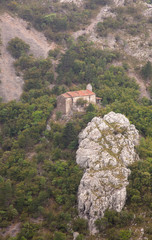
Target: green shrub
{"x":54,"y":53}
{"x":17,"y":47}
{"x":109,"y":24}
{"x":80,"y":237}
{"x":58,"y":115}
{"x":13,"y":6}
{"x":81,"y":102}
{"x":80,"y":225}
{"x":146,"y":71}
{"x":59,"y":236}
{"x":114,"y":234}
{"x":90,"y":108}
{"x":125,"y":235}
{"x":101,"y":224}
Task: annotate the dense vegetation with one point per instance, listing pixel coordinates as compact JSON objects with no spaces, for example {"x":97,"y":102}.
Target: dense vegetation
{"x":38,"y":174}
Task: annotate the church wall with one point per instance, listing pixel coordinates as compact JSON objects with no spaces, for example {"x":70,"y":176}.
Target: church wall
{"x":69,"y":104}
{"x":61,"y":104}
{"x":65,"y":105}
{"x":89,"y":99}
{"x":93,"y":99}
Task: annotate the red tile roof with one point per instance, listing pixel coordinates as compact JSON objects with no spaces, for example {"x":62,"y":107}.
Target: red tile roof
{"x":80,"y":93}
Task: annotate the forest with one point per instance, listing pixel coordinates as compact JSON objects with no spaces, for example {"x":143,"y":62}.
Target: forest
{"x":39,"y":177}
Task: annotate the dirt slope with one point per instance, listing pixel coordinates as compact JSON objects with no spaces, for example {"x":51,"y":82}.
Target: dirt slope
{"x":103,"y":13}
{"x":142,"y":85}
{"x":11,"y":85}
{"x":90,"y":30}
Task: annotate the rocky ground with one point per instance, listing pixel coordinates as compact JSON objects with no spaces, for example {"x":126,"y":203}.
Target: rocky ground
{"x":90,"y":30}
{"x":10,"y":27}
{"x":137,"y":46}
{"x":12,"y":230}
{"x":77,"y":2}
{"x":106,"y":149}
{"x":131,"y":46}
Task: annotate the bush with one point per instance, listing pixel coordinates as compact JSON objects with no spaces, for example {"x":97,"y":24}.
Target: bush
{"x":13,"y":6}
{"x":80,"y":225}
{"x":17,"y":47}
{"x":124,"y":235}
{"x":81,"y":102}
{"x":119,"y":235}
{"x":58,"y":115}
{"x":147,"y":71}
{"x":54,"y":53}
{"x":113,"y":218}
{"x":80,"y":237}
{"x":90,"y":108}
{"x":109,"y":24}
{"x":59,"y":236}
{"x":101,"y":224}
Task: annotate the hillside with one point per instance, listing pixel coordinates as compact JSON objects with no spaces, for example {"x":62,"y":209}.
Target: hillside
{"x":11,"y":27}
{"x":134,"y":46}
{"x":52,"y":47}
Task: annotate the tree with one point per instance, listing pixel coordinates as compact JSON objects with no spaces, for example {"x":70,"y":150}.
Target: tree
{"x":147,"y":70}
{"x":81,"y":102}
{"x":90,"y":108}
{"x":69,"y":134}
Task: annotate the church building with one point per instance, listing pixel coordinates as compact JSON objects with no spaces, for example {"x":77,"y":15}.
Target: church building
{"x":68,"y":101}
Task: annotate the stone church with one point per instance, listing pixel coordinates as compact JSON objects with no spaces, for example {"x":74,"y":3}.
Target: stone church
{"x":67,"y":102}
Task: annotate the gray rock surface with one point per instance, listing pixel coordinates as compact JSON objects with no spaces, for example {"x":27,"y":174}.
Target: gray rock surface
{"x":106,"y":148}
{"x":77,"y":2}
{"x":75,"y":235}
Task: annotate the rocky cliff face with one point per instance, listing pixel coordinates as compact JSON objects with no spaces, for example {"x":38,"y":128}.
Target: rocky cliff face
{"x":106,"y":148}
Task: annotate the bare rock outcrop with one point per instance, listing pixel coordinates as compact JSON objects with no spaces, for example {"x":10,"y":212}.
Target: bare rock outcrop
{"x":106,"y":148}
{"x":77,"y":2}
{"x":119,"y":2}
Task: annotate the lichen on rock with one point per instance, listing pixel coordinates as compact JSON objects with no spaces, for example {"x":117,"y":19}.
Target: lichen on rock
{"x":106,"y":149}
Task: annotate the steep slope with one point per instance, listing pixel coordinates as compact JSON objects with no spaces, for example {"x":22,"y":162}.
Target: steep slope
{"x":136,"y":45}
{"x":143,"y":88}
{"x":103,"y":13}
{"x":11,"y":85}
{"x":128,"y":45}
{"x":90,"y":30}
{"x":132,"y":38}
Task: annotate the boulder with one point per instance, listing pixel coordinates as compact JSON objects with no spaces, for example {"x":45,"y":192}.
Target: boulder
{"x":106,"y":149}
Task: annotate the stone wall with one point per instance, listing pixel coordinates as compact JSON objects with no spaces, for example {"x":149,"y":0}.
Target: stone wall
{"x":89,"y":99}
{"x":69,"y":103}
{"x":65,"y":105}
{"x":61,"y":104}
